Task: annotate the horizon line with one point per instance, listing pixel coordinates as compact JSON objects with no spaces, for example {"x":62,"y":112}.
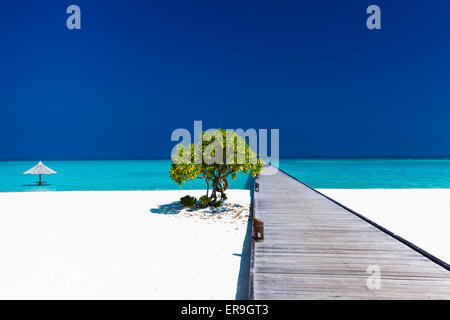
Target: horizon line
{"x":281,"y":158}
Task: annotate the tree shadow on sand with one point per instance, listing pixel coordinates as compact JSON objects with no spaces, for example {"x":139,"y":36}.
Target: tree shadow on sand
{"x":176,"y":207}
{"x":168,"y":208}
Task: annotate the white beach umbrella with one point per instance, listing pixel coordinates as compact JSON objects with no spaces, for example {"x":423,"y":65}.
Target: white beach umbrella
{"x":40,"y":169}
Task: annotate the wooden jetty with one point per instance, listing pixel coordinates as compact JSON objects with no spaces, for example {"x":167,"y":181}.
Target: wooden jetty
{"x":315,"y":248}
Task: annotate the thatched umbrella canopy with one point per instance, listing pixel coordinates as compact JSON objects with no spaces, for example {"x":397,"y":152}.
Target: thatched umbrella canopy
{"x":40,"y":169}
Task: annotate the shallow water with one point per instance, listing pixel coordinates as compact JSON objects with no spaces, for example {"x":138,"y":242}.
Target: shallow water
{"x":154,"y":174}
{"x":99,"y":175}
{"x":370,"y":173}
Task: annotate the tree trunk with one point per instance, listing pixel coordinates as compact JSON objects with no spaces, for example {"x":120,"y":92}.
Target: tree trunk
{"x":221,"y":190}
{"x":214,"y":191}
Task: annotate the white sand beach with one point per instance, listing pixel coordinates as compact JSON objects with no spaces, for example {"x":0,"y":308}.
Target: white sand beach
{"x":142,"y":245}
{"x":421,"y":216}
{"x":120,"y":245}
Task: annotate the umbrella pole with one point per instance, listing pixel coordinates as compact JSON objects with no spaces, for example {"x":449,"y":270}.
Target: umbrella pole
{"x":40,"y":179}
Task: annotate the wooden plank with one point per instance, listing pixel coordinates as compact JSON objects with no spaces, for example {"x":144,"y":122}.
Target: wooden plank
{"x":316,"y":249}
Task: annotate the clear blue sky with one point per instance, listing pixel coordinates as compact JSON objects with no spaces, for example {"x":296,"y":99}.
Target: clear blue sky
{"x":139,"y":69}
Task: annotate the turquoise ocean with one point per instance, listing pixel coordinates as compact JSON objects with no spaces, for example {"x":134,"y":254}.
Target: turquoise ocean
{"x":100,"y":175}
{"x":154,"y":174}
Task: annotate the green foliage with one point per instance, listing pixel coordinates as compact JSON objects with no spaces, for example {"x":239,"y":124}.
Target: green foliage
{"x":188,"y":201}
{"x":221,"y":154}
{"x":204,"y":201}
{"x":218,"y":203}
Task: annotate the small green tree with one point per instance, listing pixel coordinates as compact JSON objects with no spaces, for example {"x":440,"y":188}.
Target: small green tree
{"x":219,"y":155}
